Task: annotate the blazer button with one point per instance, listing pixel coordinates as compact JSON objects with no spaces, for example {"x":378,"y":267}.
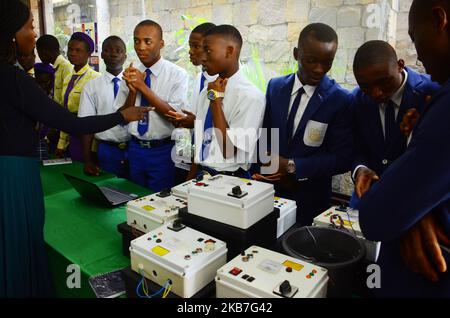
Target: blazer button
{"x":385,"y":161}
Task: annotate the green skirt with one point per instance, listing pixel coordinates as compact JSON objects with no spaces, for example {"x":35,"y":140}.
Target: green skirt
{"x":23,"y":259}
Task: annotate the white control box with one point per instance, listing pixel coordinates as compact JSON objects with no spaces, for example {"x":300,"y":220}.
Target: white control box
{"x":288,"y":214}
{"x":231,"y":200}
{"x":348,"y":219}
{"x":261,"y":273}
{"x":187,"y":258}
{"x":147,"y":213}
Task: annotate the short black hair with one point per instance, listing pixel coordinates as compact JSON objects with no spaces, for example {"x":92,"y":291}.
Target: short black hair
{"x":320,"y":31}
{"x":152,"y":24}
{"x":228,"y":31}
{"x":374,"y":53}
{"x":48,"y":42}
{"x":114,"y":38}
{"x":203,"y":28}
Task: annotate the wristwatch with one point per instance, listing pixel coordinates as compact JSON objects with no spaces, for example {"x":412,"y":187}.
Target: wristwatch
{"x":213,"y":95}
{"x":291,"y":166}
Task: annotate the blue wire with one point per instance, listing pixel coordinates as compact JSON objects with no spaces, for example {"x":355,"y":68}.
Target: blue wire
{"x":151,"y":296}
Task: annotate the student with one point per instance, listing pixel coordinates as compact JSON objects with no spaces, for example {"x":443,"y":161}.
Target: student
{"x":79,"y":50}
{"x":408,"y":208}
{"x":97,"y":98}
{"x":45,"y":77}
{"x":229,"y":113}
{"x":48,"y":50}
{"x":162,"y":85}
{"x":186,"y":120}
{"x":312,"y":113}
{"x":387,"y":91}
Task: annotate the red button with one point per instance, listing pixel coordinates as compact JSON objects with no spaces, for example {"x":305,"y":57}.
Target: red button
{"x":235,"y":271}
{"x":308,"y":276}
{"x":199,"y":184}
{"x":314,"y":271}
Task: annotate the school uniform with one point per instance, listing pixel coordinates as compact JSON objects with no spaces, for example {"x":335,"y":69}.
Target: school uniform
{"x":63,"y":68}
{"x":243,"y":107}
{"x":182,"y":164}
{"x":149,"y":155}
{"x":98,"y":99}
{"x":314,"y":126}
{"x":378,"y":139}
{"x":73,"y":86}
{"x":414,"y":185}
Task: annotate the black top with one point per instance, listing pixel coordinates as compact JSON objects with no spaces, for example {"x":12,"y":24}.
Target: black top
{"x":23,"y":103}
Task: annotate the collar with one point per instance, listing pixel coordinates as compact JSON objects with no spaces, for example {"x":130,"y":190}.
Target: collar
{"x":155,"y":68}
{"x":59,"y":60}
{"x":398,"y":95}
{"x":234,"y":78}
{"x":83,"y":70}
{"x":109,"y":77}
{"x":309,"y":90}
{"x":208,"y":77}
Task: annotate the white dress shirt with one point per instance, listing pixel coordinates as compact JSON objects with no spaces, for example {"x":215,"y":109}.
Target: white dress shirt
{"x":196,"y":91}
{"x":306,"y":97}
{"x":397,"y":100}
{"x":243,"y":107}
{"x":97,"y":98}
{"x":170,"y":83}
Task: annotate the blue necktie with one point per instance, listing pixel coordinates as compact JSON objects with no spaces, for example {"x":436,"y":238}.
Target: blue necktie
{"x":202,"y":83}
{"x":144,"y":123}
{"x":293,"y":113}
{"x":390,"y":126}
{"x":207,"y":135}
{"x":116,"y":81}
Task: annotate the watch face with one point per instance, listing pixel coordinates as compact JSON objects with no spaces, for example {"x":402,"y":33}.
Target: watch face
{"x":211,"y":95}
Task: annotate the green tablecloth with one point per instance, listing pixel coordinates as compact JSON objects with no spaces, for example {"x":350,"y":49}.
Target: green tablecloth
{"x":53,"y":180}
{"x":80,"y":232}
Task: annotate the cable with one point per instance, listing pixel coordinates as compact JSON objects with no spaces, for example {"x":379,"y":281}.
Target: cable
{"x":165,"y":290}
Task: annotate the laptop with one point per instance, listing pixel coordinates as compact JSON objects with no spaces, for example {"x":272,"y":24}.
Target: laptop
{"x":103,"y":195}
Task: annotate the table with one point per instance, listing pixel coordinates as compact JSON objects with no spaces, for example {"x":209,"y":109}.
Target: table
{"x":78,"y":231}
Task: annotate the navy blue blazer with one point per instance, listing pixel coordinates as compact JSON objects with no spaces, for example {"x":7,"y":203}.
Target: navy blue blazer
{"x":370,"y":148}
{"x":416,"y":184}
{"x":330,"y":110}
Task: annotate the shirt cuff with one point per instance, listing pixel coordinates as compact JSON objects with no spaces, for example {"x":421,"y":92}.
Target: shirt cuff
{"x":356,"y":170}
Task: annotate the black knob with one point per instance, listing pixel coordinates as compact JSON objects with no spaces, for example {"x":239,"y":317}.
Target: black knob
{"x":199,"y":177}
{"x":285,"y":288}
{"x":176,"y":223}
{"x":237,"y":191}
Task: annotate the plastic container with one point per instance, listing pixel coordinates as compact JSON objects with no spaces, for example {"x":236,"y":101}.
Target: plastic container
{"x":339,"y":252}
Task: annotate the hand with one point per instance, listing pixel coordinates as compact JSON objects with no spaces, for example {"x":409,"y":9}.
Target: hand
{"x":218,"y":85}
{"x":129,"y":84}
{"x":91,"y":169}
{"x":134,"y":113}
{"x":185,"y":120}
{"x":364,"y":180}
{"x":282,"y":169}
{"x":134,"y":78}
{"x":59,"y":153}
{"x":420,"y":248}
{"x":409,"y":121}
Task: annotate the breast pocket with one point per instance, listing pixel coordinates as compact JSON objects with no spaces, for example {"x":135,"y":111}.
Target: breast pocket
{"x":314,"y":133}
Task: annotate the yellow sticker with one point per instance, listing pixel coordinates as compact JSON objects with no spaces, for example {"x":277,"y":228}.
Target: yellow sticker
{"x":148,"y":208}
{"x":276,"y":198}
{"x":294,"y":266}
{"x":348,"y":223}
{"x":160,"y":251}
{"x":246,"y":180}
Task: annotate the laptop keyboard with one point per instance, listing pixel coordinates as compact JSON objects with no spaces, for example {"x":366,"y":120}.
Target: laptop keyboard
{"x":115,"y":196}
